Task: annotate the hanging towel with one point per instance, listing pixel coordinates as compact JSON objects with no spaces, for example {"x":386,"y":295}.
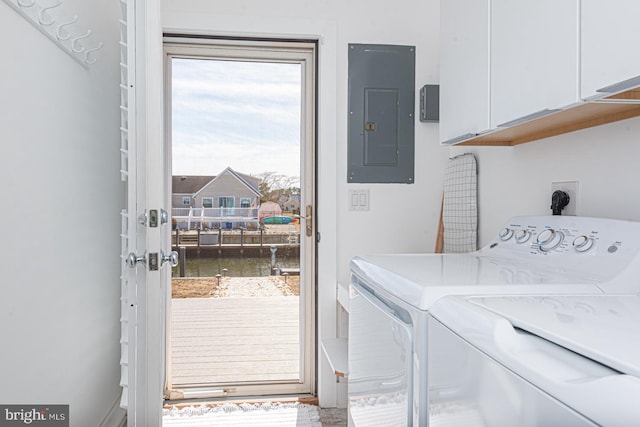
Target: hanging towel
{"x":460,"y":205}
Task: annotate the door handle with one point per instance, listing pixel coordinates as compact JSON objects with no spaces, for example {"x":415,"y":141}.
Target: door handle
{"x":308,"y":218}
{"x":133,"y":259}
{"x":172,"y":258}
{"x":164,"y":216}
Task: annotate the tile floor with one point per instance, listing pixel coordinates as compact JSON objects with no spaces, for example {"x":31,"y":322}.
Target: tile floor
{"x":333,"y":417}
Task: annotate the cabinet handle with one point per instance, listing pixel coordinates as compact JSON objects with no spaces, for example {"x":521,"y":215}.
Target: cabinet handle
{"x":528,"y":117}
{"x":621,"y":86}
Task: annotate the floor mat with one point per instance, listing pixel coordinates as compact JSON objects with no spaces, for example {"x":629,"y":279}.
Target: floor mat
{"x":245,"y":415}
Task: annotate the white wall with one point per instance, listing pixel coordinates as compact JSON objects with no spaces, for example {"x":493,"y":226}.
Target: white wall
{"x":403,"y":218}
{"x":61,"y":198}
{"x":517,"y":180}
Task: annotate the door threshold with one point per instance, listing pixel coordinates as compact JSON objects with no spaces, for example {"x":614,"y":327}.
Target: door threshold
{"x":302,"y":398}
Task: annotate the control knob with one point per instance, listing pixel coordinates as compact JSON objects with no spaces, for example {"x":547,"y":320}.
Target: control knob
{"x":505,"y":234}
{"x":522,"y":236}
{"x":549,"y":239}
{"x":582,"y":243}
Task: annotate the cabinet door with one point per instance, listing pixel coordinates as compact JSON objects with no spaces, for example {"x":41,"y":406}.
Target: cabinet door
{"x":610,"y":43}
{"x":464,"y":67}
{"x":534,"y":57}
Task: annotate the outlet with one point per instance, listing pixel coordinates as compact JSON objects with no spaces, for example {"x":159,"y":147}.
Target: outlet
{"x":571,"y":188}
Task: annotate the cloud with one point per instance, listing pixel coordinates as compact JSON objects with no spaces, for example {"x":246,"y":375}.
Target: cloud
{"x":240,"y":114}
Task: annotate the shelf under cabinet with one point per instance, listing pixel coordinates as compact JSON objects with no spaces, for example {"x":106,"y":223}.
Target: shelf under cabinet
{"x":583,"y":115}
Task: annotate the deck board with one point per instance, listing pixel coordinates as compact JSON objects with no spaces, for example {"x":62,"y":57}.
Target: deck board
{"x":234,"y":340}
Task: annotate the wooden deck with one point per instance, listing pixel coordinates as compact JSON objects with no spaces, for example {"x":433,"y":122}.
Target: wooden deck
{"x":234,"y":340}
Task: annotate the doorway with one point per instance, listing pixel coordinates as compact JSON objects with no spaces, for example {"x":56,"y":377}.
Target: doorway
{"x":241,"y":139}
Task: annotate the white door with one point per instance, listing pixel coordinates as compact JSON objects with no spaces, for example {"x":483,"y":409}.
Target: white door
{"x":609,"y":31}
{"x":144,"y":269}
{"x":146,"y":237}
{"x":534,"y":57}
{"x":464,"y":89}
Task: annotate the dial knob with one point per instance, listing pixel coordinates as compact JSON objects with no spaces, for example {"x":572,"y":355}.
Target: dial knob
{"x":505,"y":233}
{"x":582,"y":243}
{"x":522,"y":236}
{"x":549,"y":239}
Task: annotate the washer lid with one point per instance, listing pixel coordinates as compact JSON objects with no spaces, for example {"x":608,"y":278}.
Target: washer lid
{"x":603,"y":328}
{"x":583,"y":351}
{"x":421,"y":279}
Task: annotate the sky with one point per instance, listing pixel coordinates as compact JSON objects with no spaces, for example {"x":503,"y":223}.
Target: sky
{"x":245,"y":115}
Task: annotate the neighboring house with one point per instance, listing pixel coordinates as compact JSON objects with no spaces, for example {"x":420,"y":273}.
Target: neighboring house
{"x":292,"y":204}
{"x":229,"y":189}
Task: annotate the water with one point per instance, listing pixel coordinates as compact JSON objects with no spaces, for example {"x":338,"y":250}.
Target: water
{"x":236,"y":266}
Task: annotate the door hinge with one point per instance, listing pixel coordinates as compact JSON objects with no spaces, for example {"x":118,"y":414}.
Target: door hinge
{"x":317,"y":237}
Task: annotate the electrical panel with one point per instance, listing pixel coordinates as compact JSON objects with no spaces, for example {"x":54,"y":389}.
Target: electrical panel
{"x":381,"y":114}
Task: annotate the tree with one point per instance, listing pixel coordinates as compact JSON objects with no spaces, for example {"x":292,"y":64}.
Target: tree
{"x":277,"y":187}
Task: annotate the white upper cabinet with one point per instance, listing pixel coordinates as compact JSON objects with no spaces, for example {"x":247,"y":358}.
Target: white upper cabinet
{"x":610,"y":43}
{"x":513,"y":71}
{"x":464,"y":68}
{"x":534,"y":57}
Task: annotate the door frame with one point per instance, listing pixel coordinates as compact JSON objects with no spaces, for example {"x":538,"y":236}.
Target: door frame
{"x":305,"y":53}
{"x":146,"y":23}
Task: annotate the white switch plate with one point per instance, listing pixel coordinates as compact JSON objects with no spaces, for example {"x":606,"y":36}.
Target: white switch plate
{"x":358,"y":200}
{"x":571,"y":188}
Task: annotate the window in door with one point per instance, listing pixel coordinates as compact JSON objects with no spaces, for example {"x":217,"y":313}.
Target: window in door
{"x":244,"y":112}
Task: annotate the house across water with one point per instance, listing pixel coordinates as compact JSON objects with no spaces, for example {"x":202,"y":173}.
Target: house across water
{"x":228,"y":200}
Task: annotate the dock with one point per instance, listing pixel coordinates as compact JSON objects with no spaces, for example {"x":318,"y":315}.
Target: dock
{"x":238,"y":241}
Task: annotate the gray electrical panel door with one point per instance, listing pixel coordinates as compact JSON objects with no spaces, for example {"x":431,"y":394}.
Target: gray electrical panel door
{"x":381,"y":114}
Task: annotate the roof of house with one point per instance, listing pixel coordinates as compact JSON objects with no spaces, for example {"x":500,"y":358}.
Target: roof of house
{"x":250,"y":181}
{"x":184,"y":184}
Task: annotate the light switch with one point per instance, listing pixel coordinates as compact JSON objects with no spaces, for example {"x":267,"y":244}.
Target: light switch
{"x":358,"y":200}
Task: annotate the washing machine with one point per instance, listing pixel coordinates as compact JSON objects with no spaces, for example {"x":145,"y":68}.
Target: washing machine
{"x":390,"y":298}
{"x":535,"y":361}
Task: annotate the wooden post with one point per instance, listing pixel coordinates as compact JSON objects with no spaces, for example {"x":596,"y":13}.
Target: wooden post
{"x":183,"y":260}
{"x":440,"y":234}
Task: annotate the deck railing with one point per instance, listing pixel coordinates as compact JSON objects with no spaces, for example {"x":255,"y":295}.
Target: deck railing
{"x":199,"y":218}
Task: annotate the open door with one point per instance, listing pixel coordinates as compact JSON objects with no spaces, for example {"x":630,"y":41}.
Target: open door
{"x":144,"y":247}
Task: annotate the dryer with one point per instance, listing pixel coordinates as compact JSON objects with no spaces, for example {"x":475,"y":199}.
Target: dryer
{"x":390,"y":298}
{"x":535,"y":361}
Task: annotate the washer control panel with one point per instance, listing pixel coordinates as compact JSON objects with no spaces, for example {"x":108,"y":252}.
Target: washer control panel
{"x":564,"y":235}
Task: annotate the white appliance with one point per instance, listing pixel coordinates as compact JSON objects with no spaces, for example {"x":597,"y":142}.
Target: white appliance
{"x":390,"y":296}
{"x":535,"y":361}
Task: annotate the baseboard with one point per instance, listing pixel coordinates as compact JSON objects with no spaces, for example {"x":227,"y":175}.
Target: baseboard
{"x":116,"y":417}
